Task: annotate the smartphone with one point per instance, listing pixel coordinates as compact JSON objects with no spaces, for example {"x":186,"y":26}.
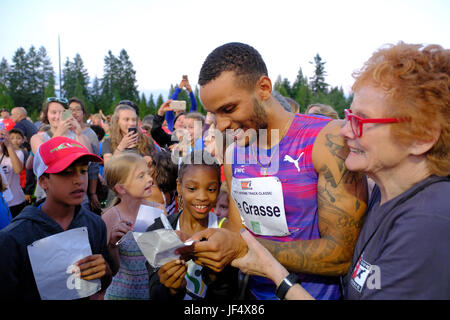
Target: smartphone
{"x":185,"y":77}
{"x":178,"y":105}
{"x":66,"y":114}
{"x":134,"y":130}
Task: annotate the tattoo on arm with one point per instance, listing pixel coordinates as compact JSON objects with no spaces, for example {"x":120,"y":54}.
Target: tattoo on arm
{"x":341,"y":197}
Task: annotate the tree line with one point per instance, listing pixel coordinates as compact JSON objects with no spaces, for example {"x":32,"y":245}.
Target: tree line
{"x":30,"y":78}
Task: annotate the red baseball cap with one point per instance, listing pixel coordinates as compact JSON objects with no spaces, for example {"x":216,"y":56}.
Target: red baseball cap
{"x":58,"y":153}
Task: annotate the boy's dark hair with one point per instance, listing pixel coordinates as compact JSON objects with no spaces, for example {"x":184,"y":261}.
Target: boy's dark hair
{"x":78,"y":100}
{"x":99,"y":131}
{"x":198,"y":158}
{"x":241,"y":58}
{"x":18,"y":131}
{"x":178,"y":116}
{"x":147,"y":122}
{"x":166,"y":171}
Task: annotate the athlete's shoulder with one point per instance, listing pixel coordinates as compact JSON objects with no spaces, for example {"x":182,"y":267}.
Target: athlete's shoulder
{"x":330,"y":143}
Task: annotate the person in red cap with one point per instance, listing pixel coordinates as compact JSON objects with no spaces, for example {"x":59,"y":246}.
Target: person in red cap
{"x":60,"y":165}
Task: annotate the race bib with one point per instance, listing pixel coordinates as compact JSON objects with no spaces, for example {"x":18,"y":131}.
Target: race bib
{"x":261,"y":204}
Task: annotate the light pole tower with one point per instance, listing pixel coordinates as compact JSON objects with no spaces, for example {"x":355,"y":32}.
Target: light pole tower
{"x":59,"y":58}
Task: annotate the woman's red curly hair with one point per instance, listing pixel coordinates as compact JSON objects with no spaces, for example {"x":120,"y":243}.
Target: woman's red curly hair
{"x":416,"y":80}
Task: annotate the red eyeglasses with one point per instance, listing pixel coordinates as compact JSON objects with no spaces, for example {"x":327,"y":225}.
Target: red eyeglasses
{"x":356,"y":123}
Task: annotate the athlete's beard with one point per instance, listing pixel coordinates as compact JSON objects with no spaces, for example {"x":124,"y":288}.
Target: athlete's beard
{"x":259,"y":115}
{"x":259,"y":121}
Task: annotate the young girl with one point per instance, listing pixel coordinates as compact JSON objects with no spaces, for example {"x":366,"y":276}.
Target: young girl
{"x":198,"y":186}
{"x":164,"y":173}
{"x":11,"y":162}
{"x":128,"y":176}
{"x":221,"y":209}
{"x":121,"y":139}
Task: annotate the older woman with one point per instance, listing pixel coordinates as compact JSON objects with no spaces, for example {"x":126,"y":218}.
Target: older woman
{"x":398,"y":133}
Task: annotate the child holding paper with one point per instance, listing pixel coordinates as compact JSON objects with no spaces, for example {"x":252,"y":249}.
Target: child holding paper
{"x":198,"y":185}
{"x":60,"y":164}
{"x":128,"y":176}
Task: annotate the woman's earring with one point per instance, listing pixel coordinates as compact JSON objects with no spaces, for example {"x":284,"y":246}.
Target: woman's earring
{"x":180,"y":203}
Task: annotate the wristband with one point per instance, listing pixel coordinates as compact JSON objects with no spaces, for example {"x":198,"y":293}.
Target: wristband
{"x":285,"y":285}
{"x":221,"y":222}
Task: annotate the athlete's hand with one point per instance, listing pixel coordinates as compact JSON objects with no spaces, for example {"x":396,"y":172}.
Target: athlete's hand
{"x":259,"y":261}
{"x":216,"y":248}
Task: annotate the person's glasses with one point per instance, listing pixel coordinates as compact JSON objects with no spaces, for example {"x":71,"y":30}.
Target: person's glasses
{"x":356,"y":123}
{"x":64,"y":101}
{"x":78,"y":109}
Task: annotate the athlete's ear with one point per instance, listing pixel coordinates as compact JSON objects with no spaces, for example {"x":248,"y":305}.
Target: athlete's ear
{"x":264,"y":88}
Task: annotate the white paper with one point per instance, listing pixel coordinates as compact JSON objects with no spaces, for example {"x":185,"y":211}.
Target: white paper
{"x":166,"y":222}
{"x":52,"y":260}
{"x":158,"y":246}
{"x":145,"y":218}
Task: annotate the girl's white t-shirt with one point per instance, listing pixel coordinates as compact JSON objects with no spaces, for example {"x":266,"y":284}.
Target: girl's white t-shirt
{"x":13,"y":179}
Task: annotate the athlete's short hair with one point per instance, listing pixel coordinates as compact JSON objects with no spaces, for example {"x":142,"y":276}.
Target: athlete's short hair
{"x":238,"y":57}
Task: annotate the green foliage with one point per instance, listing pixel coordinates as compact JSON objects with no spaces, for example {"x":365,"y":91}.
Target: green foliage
{"x":75,"y":79}
{"x":50,"y":88}
{"x":151,"y":105}
{"x":119,"y":81}
{"x":280,"y":86}
{"x":4,"y":70}
{"x":314,"y":91}
{"x":200,"y":107}
{"x":159,"y":101}
{"x":95,"y":96}
{"x":318,"y":84}
{"x":30,"y":78}
{"x":143,"y":107}
{"x":5,"y":100}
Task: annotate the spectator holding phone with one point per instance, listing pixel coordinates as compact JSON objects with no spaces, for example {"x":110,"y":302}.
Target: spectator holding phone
{"x":61,"y":122}
{"x":170,"y":115}
{"x":60,"y":125}
{"x":11,"y":161}
{"x":124,"y":135}
{"x":161,"y":137}
{"x":76,"y":106}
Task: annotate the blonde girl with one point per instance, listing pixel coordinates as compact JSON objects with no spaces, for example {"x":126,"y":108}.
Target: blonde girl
{"x":121,"y":139}
{"x":128,"y":176}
